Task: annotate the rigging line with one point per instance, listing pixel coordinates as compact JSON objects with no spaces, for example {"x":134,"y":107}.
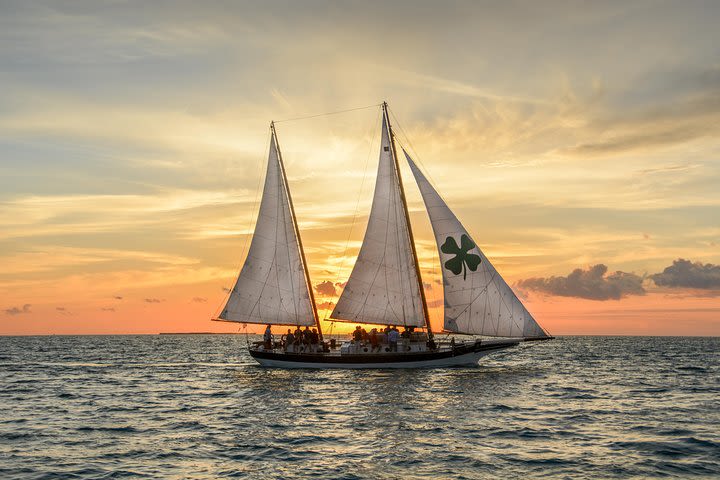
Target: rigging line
{"x":247,"y":235}
{"x":327,"y":113}
{"x":416,"y":156}
{"x":357,"y":209}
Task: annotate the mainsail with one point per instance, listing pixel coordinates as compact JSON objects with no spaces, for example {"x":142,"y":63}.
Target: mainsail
{"x":477,"y":299}
{"x":383,"y":287}
{"x":272,"y":286}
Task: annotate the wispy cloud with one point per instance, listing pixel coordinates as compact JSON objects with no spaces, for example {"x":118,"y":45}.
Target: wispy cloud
{"x":18,"y":310}
{"x":325,"y":305}
{"x":36,"y":259}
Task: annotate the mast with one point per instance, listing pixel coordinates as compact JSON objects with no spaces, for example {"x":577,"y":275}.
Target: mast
{"x":426,"y":314}
{"x":297,"y":232}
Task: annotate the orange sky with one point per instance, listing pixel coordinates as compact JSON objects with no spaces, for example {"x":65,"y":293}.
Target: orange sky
{"x":133,"y":143}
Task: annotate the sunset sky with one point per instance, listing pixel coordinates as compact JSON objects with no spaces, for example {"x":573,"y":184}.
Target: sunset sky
{"x":565,"y":135}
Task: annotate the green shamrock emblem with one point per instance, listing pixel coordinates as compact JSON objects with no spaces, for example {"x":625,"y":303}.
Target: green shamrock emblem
{"x":462,"y":258}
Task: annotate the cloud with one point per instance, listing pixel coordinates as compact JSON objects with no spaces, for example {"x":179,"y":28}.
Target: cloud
{"x":684,"y":273}
{"x":685,"y":109}
{"x":199,"y":299}
{"x":17,"y":311}
{"x":326,"y":288}
{"x":592,"y":284}
{"x":325,"y":306}
{"x":153,"y":300}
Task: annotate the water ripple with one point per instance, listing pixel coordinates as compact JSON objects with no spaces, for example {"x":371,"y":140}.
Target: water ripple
{"x":199,"y":407}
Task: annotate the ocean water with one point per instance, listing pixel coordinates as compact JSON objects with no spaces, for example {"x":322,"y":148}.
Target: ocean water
{"x":197,"y":406}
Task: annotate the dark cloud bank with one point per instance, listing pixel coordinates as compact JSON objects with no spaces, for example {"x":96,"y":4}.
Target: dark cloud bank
{"x":591,"y":283}
{"x":684,"y":273}
{"x":594,"y":284}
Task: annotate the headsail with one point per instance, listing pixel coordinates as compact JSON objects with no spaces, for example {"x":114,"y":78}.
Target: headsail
{"x":383,"y":287}
{"x":272,"y":286}
{"x":477,"y":299}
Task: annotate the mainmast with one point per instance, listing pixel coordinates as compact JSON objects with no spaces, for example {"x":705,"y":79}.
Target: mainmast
{"x":426,"y":314}
{"x":297,"y":232}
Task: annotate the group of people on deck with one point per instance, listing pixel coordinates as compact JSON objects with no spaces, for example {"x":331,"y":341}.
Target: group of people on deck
{"x":375,"y":338}
{"x":308,"y":341}
{"x":295,"y":342}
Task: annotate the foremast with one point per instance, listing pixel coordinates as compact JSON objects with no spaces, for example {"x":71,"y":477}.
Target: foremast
{"x":426,"y":313}
{"x":297,"y":232}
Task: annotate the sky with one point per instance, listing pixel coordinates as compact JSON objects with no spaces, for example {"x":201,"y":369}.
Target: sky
{"x":578,"y":142}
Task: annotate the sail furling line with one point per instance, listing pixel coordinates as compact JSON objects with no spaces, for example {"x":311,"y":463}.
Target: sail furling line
{"x":273,"y":286}
{"x":383,"y":287}
{"x":478,"y":301}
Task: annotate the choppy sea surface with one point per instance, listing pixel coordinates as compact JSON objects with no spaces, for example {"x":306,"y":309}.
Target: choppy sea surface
{"x":197,"y":406}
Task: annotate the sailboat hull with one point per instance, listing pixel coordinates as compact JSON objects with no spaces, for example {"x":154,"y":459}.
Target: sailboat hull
{"x":464,"y":355}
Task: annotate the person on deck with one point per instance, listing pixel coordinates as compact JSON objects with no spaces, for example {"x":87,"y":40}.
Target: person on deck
{"x":267,"y":338}
{"x":357,"y":334}
{"x":298,"y":339}
{"x":393,"y":335}
{"x":314,"y":341}
{"x":289,"y":341}
{"x":306,"y":334}
{"x":374,"y":340}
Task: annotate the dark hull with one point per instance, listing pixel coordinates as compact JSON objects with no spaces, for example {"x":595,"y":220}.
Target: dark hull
{"x":465,"y":354}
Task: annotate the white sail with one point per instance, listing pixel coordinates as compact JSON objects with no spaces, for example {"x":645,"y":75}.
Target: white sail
{"x":272,"y":286}
{"x":383,"y":287}
{"x":477,"y":299}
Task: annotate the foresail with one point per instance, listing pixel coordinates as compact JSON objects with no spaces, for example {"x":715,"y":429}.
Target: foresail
{"x":383,"y":287}
{"x":477,"y":299}
{"x":272,"y":287}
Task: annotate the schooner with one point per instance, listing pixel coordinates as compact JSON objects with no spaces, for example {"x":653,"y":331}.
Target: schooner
{"x":385,"y":287}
